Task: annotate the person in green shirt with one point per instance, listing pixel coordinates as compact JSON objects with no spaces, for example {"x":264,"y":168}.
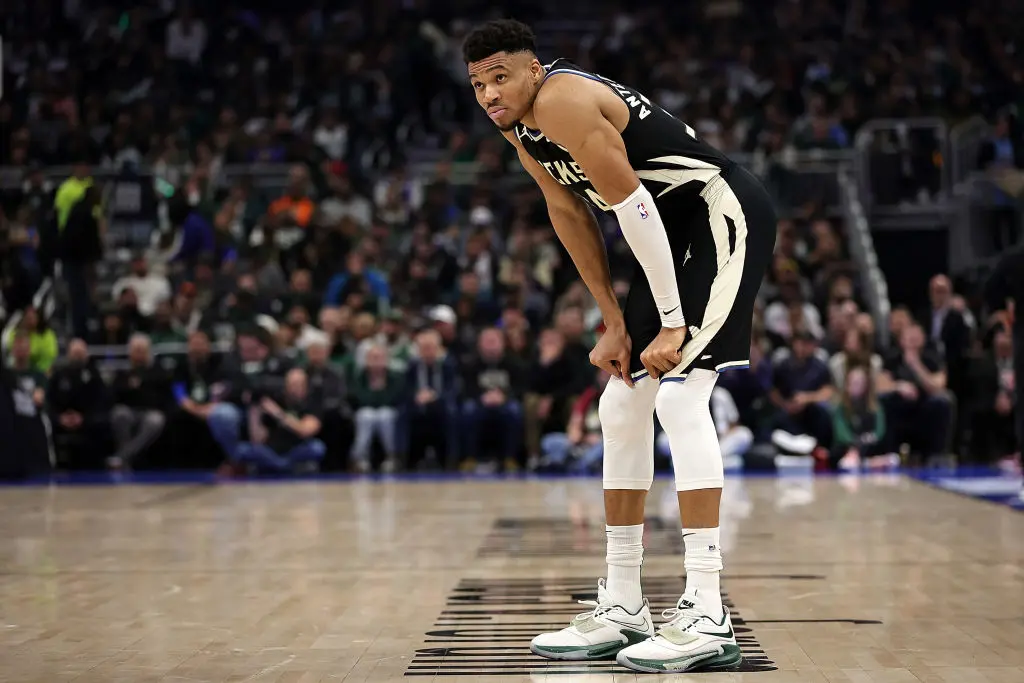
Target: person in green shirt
{"x":42,"y":340}
{"x":29,"y":379}
{"x":377,"y":392}
{"x":858,"y":423}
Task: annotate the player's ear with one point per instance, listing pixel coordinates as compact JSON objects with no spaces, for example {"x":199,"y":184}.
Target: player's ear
{"x":536,"y":69}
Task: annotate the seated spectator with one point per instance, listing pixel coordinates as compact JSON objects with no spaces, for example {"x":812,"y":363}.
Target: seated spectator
{"x":995,"y":392}
{"x":792,"y":312}
{"x":193,"y":385}
{"x":570,"y":323}
{"x":492,"y":384}
{"x":141,"y":394}
{"x":857,"y":351}
{"x":549,"y":386}
{"x":858,"y":424}
{"x":29,"y":379}
{"x":328,"y":389}
{"x":79,"y":403}
{"x":431,"y":414}
{"x":42,"y":340}
{"x":750,"y":390}
{"x":161,"y":327}
{"x":249,"y":375}
{"x":580,"y":449}
{"x":734,"y":438}
{"x":283,"y":435}
{"x":801,"y":386}
{"x":378,"y":393}
{"x":150,"y":289}
{"x":355,"y":276}
{"x":919,"y":407}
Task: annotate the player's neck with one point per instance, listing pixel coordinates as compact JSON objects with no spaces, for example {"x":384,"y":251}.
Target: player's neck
{"x":529,"y":121}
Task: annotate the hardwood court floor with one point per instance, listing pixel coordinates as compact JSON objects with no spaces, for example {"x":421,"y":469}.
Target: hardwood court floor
{"x":854,"y":580}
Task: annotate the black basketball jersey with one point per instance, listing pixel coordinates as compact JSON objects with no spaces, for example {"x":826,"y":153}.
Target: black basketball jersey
{"x":665,"y":152}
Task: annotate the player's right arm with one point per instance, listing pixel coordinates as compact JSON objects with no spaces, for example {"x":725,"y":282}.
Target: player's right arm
{"x":577,"y":229}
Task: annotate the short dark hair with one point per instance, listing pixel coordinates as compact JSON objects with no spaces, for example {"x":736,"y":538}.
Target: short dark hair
{"x":498,"y":35}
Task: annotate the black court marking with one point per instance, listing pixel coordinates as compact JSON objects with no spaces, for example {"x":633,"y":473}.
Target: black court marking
{"x":489,"y":625}
{"x":559,"y":537}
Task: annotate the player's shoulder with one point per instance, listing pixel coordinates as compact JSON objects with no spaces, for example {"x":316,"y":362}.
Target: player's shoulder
{"x":563,"y":94}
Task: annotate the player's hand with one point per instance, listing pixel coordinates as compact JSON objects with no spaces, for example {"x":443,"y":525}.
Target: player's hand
{"x":611,"y":353}
{"x":663,"y":354}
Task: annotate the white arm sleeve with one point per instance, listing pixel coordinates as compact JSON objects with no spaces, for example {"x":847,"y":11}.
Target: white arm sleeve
{"x":645,"y":233}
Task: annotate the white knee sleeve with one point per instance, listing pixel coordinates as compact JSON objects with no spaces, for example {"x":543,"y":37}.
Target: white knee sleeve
{"x":685,"y":414}
{"x":627,"y":424}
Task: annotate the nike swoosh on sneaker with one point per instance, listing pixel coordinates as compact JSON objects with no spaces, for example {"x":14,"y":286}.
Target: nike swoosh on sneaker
{"x":727,"y":633}
{"x":644,"y":625}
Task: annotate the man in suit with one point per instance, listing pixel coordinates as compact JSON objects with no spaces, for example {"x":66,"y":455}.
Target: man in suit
{"x":430,"y":416}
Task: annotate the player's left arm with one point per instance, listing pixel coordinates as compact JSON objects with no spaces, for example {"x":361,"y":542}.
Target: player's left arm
{"x":570,"y":113}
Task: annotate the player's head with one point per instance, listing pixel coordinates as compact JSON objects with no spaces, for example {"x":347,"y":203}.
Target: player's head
{"x":503,"y":69}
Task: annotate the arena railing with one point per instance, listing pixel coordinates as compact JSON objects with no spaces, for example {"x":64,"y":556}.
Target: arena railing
{"x":862,"y":250}
{"x":965,"y":140}
{"x":924,"y":139}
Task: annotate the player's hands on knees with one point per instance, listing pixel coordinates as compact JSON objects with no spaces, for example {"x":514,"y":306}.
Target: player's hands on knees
{"x":612,"y":351}
{"x":663,"y":354}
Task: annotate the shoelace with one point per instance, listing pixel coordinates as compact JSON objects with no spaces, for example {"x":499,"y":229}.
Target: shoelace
{"x":602,"y":605}
{"x":678,"y":615}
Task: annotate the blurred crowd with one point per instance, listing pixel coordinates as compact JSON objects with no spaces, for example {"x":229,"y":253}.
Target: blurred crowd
{"x":365,"y":316}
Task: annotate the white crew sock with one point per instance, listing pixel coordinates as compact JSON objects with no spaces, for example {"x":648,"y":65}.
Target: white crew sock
{"x":625,"y":555}
{"x":703,"y":562}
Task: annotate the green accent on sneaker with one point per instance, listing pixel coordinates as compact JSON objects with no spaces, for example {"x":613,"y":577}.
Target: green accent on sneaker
{"x":729,"y":658}
{"x":606,"y":650}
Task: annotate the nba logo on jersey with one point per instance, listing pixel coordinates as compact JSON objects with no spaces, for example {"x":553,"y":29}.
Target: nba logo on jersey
{"x":643,"y":210}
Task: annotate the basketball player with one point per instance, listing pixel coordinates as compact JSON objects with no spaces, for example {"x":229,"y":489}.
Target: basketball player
{"x":702,"y":230}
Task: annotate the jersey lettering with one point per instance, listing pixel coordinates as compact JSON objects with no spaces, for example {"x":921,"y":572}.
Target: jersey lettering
{"x":660,"y":148}
{"x":566,"y":176}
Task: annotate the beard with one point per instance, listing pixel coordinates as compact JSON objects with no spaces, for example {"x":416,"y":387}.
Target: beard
{"x":509,"y":127}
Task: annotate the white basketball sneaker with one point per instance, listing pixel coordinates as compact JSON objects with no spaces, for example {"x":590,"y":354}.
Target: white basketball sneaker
{"x":690,"y":641}
{"x":598,"y":634}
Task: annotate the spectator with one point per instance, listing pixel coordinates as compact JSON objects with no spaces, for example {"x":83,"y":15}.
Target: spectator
{"x":343,"y":202}
{"x":570,"y":323}
{"x":194,"y":387}
{"x":801,"y":386}
{"x":378,"y":392}
{"x":357,"y":278}
{"x":253,"y":372}
{"x":79,"y":403}
{"x":492,"y":382}
{"x":948,"y":333}
{"x":995,"y":390}
{"x":31,"y":380}
{"x":42,"y":340}
{"x":792,"y":312}
{"x":858,"y":425}
{"x":81,"y":246}
{"x":284,"y":434}
{"x":162,"y":329}
{"x":150,"y":289}
{"x":919,"y":408}
{"x":550,"y":387}
{"x":580,"y":449}
{"x":431,"y":414}
{"x":328,"y":389}
{"x":857,"y":351}
{"x":141,"y":396}
{"x":750,"y":390}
